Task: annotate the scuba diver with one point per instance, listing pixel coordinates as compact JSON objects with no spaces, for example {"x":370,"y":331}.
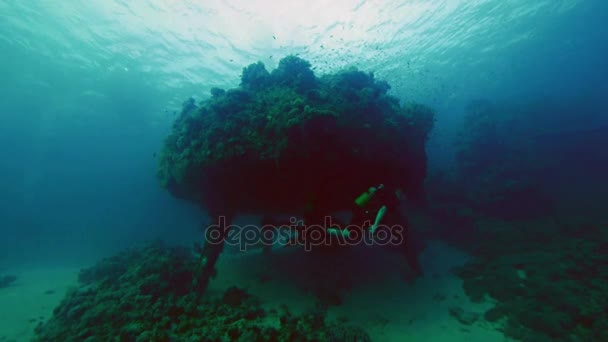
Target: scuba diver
{"x":382,"y":208}
{"x":376,"y":209}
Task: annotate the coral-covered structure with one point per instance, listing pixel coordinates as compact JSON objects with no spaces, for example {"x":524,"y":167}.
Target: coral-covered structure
{"x":287,"y":140}
{"x":548,"y":283}
{"x":143,"y":294}
{"x":498,"y":165}
{"x":285,"y":136}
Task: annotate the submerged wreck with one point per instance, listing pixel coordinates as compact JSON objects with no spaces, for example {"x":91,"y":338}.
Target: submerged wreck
{"x":286,"y":139}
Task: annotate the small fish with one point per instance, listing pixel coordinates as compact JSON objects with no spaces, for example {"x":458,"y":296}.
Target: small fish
{"x":7,"y":280}
{"x":273,"y":37}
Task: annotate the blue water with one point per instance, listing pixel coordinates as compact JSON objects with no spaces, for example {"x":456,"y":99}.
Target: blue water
{"x":89,"y":92}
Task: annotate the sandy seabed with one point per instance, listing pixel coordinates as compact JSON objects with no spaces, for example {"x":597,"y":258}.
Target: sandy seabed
{"x":377,"y":297}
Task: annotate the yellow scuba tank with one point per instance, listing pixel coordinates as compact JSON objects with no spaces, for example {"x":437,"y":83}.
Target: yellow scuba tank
{"x":365,"y":197}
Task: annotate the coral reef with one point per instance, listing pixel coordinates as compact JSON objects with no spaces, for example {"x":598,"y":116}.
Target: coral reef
{"x":497,"y":163}
{"x":548,"y":285}
{"x":283,"y":134}
{"x":144,"y":295}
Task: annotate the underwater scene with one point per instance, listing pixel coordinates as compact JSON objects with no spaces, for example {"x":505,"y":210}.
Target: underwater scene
{"x":262,"y":170}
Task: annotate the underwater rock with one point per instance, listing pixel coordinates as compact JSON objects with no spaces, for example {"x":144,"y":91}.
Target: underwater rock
{"x":498,"y":168}
{"x":7,"y":280}
{"x":558,"y":297}
{"x":282,"y":134}
{"x":110,"y":304}
{"x":494,"y":314}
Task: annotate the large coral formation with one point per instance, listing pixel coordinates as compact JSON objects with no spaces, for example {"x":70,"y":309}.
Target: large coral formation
{"x":544,"y":268}
{"x":283,"y":134}
{"x":498,"y":166}
{"x":549,"y":284}
{"x":144,"y":295}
